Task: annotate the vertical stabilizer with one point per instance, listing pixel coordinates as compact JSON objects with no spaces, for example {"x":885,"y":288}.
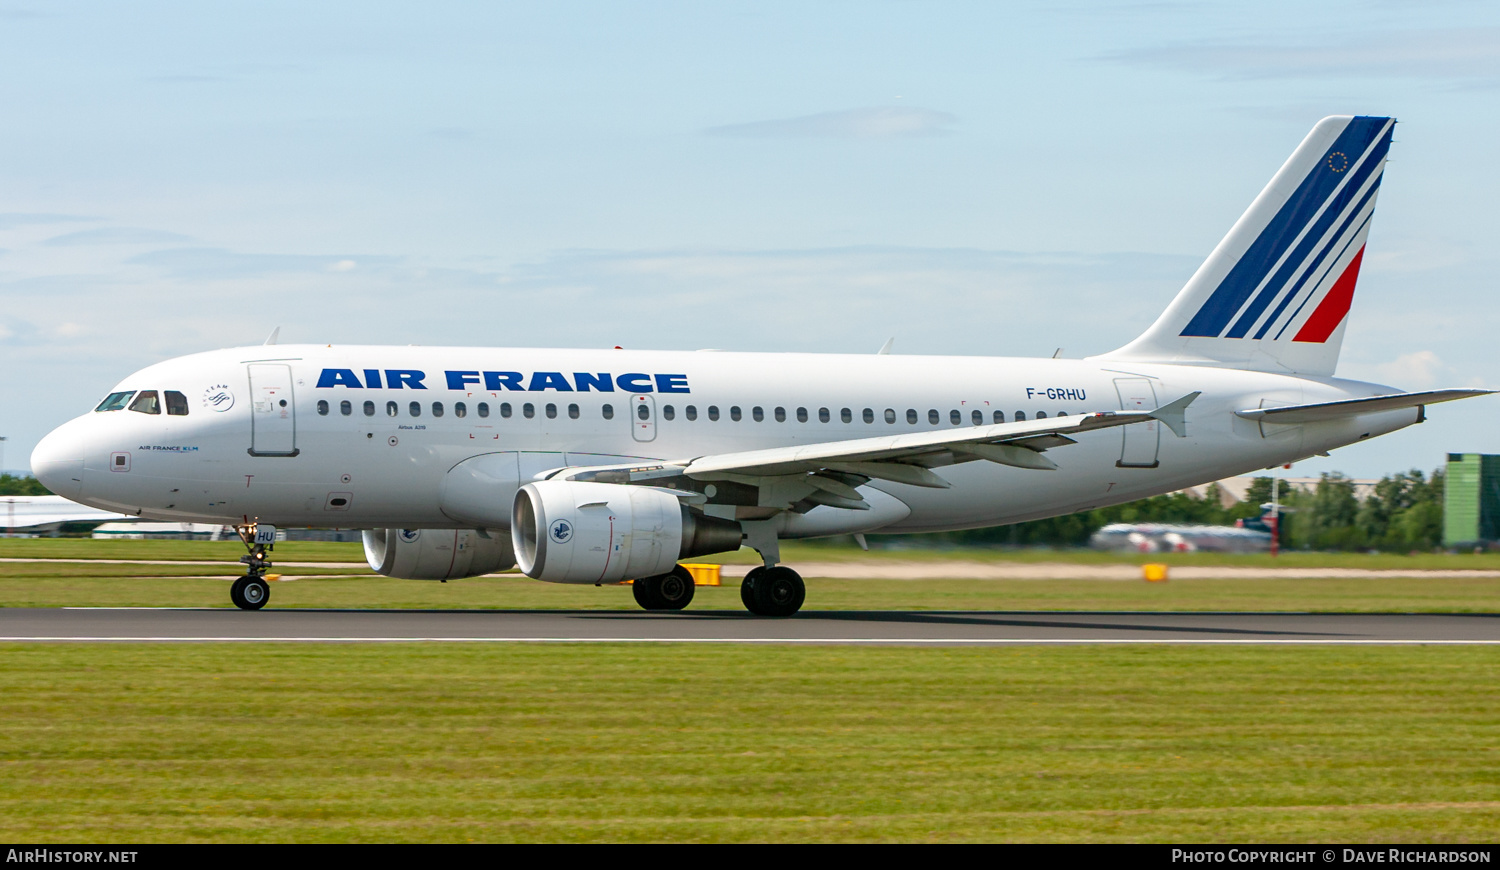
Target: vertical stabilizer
{"x":1275,"y":294}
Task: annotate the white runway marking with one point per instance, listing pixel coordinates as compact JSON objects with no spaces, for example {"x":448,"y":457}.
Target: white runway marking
{"x":789,"y":640}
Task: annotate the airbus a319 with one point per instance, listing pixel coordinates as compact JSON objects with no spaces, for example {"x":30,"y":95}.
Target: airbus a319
{"x":600,"y":466}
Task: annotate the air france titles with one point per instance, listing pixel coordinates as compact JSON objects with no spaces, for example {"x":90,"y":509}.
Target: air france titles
{"x":521,"y":382}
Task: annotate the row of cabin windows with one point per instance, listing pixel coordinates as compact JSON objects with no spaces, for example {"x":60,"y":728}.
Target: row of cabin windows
{"x":146,"y":402}
{"x":669,"y":412}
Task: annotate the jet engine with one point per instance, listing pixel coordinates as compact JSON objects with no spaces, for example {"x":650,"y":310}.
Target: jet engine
{"x":437,"y":554}
{"x":569,"y":531}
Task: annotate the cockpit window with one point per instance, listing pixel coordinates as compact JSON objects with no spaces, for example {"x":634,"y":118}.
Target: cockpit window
{"x":146,"y":403}
{"x":115,"y":401}
{"x":176,"y":404}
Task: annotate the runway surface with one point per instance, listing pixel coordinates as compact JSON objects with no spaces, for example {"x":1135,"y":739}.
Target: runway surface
{"x":813,"y":627}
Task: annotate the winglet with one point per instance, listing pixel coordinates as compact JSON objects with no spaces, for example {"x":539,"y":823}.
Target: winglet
{"x":271,"y":339}
{"x":886,"y":348}
{"x":1174,"y":414}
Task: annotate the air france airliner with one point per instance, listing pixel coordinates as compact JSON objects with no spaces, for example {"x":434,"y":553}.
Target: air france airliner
{"x":605,"y":466}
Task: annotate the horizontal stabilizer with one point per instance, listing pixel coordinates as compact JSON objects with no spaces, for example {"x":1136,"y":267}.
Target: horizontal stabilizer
{"x":1352,"y":407}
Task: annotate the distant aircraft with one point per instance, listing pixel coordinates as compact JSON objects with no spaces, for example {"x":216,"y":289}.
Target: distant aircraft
{"x":599,"y":466}
{"x":34,"y":514}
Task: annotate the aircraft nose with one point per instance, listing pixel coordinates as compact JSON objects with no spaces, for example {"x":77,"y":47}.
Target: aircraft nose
{"x":58,"y":461}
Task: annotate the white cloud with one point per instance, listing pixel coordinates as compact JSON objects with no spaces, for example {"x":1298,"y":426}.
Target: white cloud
{"x":1470,"y":55}
{"x":343,"y":266}
{"x":118,"y":236}
{"x":874,"y":122}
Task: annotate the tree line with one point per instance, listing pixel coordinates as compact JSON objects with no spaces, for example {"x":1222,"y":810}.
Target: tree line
{"x":1403,"y":513}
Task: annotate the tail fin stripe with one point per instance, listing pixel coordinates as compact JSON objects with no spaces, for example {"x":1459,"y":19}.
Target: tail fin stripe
{"x":1313,"y":293}
{"x":1334,"y":307}
{"x":1367,"y":137}
{"x":1340,"y":239}
{"x":1315,"y":239}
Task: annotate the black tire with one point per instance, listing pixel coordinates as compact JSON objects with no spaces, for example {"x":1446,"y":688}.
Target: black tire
{"x":670,"y":591}
{"x":778,"y":592}
{"x":250,"y":592}
{"x":747,"y":587}
{"x":644,"y":590}
{"x":674,"y":590}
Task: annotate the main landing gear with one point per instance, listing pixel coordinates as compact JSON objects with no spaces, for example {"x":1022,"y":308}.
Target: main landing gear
{"x":251,"y":592}
{"x":670,"y":591}
{"x":774,"y":591}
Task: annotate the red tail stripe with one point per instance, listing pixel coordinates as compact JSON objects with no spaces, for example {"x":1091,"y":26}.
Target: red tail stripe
{"x":1331,"y":311}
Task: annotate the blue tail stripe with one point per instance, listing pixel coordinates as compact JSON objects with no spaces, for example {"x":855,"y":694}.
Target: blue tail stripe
{"x":1312,"y":268}
{"x":1310,"y":240}
{"x":1282,"y":231}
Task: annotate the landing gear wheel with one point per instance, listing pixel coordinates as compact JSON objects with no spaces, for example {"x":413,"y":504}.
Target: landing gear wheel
{"x":670,"y":591}
{"x":250,"y":592}
{"x":777,"y":592}
{"x":747,"y":587}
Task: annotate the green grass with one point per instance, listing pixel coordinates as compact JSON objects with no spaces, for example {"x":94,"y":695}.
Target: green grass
{"x":21,"y":586}
{"x":266,"y":742}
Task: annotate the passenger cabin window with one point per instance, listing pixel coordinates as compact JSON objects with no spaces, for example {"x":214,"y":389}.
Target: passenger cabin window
{"x":890,"y":415}
{"x":846,"y":415}
{"x":932,"y":416}
{"x":734,"y":413}
{"x":955,"y":417}
{"x":978,"y":417}
{"x":483,"y":409}
{"x":1020,"y":415}
{"x":414,"y":409}
{"x":609,"y":412}
{"x":691,"y":412}
{"x":460,"y":409}
{"x":551,"y":411}
{"x":868,"y":415}
{"x":1040,"y":415}
{"x":345,"y":407}
{"x":528,"y":410}
{"x":758,"y":414}
{"x":391,"y":409}
{"x":911,"y":415}
{"x":713,"y":413}
{"x":177,"y":404}
{"x":369,"y":409}
{"x":668,"y":412}
{"x":999,"y":416}
{"x":505,"y":410}
{"x":572,"y":412}
{"x":643,"y":411}
{"x":115,"y":401}
{"x":801,"y":415}
{"x":146,"y":403}
{"x":781,"y":415}
{"x":823,"y":415}
{"x":437,"y":409}
{"x":322,"y":408}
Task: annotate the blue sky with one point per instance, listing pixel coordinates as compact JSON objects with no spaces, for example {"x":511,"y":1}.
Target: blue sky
{"x":969,"y":177}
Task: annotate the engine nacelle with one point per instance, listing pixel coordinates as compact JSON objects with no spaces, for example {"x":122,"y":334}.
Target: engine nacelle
{"x":437,"y":554}
{"x":568,"y":531}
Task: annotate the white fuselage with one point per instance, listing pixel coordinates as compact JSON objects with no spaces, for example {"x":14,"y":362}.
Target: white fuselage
{"x":248,"y":457}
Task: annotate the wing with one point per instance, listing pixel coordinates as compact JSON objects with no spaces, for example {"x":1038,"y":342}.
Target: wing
{"x":1351,"y":407}
{"x":827,"y":473}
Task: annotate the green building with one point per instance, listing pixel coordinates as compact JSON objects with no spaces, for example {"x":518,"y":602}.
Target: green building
{"x":1471,"y":500}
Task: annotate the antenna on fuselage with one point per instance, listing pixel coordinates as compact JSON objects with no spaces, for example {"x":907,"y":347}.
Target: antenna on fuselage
{"x":271,"y":339}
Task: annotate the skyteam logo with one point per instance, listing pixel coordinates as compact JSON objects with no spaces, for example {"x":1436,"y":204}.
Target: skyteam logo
{"x":561,"y":532}
{"x":218,"y":398}
{"x":1295,"y":278}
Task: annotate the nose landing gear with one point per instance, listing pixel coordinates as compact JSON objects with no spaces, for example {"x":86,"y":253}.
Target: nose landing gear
{"x":251,"y":592}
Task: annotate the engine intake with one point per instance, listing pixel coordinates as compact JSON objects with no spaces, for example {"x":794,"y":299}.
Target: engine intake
{"x":437,"y":554}
{"x":569,"y":531}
